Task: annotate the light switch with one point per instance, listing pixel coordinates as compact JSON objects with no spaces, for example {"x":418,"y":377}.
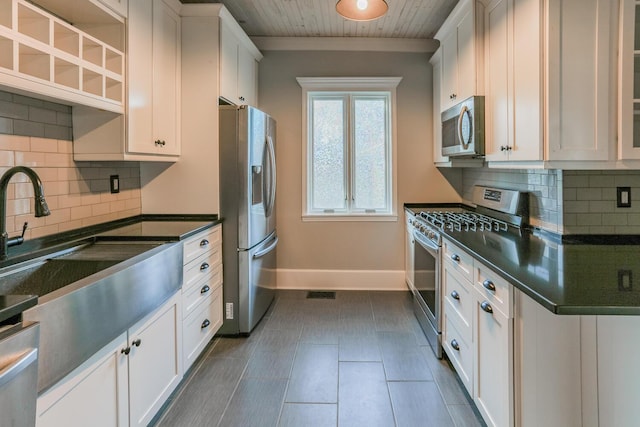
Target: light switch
{"x":624,"y":197}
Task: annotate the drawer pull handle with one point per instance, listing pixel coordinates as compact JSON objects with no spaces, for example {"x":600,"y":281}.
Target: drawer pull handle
{"x":455,"y":295}
{"x":455,"y":345}
{"x":455,"y":257}
{"x":205,"y":289}
{"x":203,"y":243}
{"x":204,"y":266}
{"x":205,"y":324}
{"x":136,"y":342}
{"x":486,"y":307}
{"x":126,"y":351}
{"x":489,"y":285}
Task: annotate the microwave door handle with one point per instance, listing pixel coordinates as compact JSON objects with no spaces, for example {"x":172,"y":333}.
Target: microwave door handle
{"x":463,"y":111}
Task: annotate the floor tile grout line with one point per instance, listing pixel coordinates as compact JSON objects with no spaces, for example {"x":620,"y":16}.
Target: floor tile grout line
{"x":286,"y":389}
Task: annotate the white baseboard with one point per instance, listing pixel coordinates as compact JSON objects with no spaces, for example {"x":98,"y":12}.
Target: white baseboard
{"x":332,"y":280}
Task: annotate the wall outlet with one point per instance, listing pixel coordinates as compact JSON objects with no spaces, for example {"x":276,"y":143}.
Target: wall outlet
{"x":624,"y":197}
{"x":229,"y":310}
{"x":114,"y":183}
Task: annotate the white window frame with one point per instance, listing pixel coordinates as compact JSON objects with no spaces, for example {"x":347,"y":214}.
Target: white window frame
{"x":354,"y":85}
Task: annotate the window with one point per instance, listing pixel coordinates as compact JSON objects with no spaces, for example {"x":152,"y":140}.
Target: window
{"x":349,"y":151}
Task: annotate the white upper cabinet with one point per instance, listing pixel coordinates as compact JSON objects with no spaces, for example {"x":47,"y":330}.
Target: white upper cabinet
{"x":150,"y":130}
{"x":42,"y":55}
{"x":238,"y":63}
{"x":549,"y":82}
{"x":629,"y":85}
{"x":436,"y":64}
{"x":461,"y":51}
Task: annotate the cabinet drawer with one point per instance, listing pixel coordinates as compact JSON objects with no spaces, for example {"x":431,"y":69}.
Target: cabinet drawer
{"x":201,"y":291}
{"x":457,"y":258}
{"x":200,"y":269}
{"x":201,"y":243}
{"x":458,"y":299}
{"x":493,"y":288}
{"x":199,"y":327}
{"x":459,"y":351}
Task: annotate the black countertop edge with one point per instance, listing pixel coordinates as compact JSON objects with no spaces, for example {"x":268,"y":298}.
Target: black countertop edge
{"x":601,"y":239}
{"x":41,"y":246}
{"x":14,"y":305}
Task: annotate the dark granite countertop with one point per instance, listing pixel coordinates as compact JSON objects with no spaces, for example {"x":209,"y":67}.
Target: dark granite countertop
{"x":577,"y":276}
{"x":168,"y":228}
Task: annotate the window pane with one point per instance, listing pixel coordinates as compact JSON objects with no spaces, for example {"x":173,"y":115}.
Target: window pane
{"x":370,"y":175}
{"x":328,"y":155}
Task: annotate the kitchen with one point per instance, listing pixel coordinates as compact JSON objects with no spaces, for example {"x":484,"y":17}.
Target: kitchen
{"x":569,"y":201}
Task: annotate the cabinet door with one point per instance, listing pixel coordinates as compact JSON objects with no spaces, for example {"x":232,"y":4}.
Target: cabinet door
{"x":618,"y":370}
{"x":581,"y":51}
{"x":436,"y":64}
{"x":154,"y":78}
{"x":629,"y":86}
{"x":449,"y":89}
{"x":94,"y":394}
{"x":493,"y":370}
{"x":513,"y":84}
{"x":228,"y":64}
{"x":498,"y":106}
{"x":166,"y":79}
{"x":140,"y":77}
{"x":247,"y":73}
{"x":155,"y":361}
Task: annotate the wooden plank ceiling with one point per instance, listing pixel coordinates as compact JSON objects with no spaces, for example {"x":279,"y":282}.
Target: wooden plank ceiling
{"x":414,"y":19}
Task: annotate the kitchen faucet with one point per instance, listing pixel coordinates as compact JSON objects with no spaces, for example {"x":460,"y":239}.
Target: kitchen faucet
{"x":41,"y":207}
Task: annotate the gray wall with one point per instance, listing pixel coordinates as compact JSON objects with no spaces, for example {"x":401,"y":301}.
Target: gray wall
{"x":350,"y":245}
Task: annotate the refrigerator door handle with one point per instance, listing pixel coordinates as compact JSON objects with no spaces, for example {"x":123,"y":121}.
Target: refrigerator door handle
{"x":266,"y":250}
{"x":272,"y":163}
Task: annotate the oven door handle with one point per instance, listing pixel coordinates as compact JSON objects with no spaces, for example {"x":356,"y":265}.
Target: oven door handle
{"x":20,"y":364}
{"x":426,"y":243}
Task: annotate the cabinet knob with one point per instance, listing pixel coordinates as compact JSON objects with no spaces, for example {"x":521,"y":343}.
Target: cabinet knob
{"x":241,"y":98}
{"x":486,"y":307}
{"x":455,"y":345}
{"x":204,"y":266}
{"x":204,"y":243}
{"x":455,"y":295}
{"x":488,"y":284}
{"x":136,"y":342}
{"x":455,"y":257}
{"x":126,"y":351}
{"x":159,"y":143}
{"x":205,"y":289}
{"x":205,"y":324}
{"x":506,"y":148}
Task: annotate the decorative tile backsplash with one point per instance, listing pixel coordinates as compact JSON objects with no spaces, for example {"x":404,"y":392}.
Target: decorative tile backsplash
{"x":38,"y":134}
{"x":568,"y":201}
{"x":544,"y":187}
{"x":590,"y":202}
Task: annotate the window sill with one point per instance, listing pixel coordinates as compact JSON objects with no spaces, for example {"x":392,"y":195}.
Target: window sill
{"x":350,"y":218}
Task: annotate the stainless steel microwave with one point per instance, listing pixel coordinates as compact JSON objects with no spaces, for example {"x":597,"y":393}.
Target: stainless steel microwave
{"x":463,"y":129}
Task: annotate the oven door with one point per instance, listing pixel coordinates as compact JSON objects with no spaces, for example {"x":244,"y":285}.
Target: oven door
{"x":427,"y":289}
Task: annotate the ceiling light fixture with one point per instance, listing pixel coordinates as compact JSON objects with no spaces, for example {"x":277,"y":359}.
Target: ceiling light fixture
{"x":362,"y":10}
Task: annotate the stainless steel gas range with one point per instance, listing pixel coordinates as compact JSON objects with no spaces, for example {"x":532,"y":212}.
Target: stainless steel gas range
{"x":496,"y":211}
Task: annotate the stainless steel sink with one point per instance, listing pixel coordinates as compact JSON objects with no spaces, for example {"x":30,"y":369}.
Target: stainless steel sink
{"x":90,"y":294}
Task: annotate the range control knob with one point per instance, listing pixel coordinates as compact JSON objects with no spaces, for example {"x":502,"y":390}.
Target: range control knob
{"x":431,"y":234}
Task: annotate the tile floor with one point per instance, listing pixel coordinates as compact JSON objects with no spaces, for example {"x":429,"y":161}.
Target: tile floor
{"x":357,"y":360}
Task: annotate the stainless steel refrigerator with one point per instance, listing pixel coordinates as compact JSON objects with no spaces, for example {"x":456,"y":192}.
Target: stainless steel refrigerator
{"x":248,"y":210}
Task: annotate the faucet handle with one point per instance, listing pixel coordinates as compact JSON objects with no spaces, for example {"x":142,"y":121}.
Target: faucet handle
{"x":18,"y":240}
{"x":24,"y":229}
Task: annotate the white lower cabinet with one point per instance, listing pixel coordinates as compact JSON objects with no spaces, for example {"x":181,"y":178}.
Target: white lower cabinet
{"x":126,"y":382}
{"x":478,"y":333}
{"x":201,"y":292}
{"x":155,"y":361}
{"x":493,"y":373}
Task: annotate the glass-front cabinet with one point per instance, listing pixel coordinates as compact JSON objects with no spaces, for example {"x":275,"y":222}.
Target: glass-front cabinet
{"x":629,"y":90}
